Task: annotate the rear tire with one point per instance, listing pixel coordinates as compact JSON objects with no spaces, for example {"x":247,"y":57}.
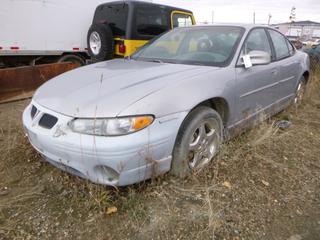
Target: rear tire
{"x":73,"y":59}
{"x":100,"y":42}
{"x":300,"y":92}
{"x":198,"y":141}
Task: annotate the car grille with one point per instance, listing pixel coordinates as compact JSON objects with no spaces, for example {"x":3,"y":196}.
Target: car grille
{"x":48,"y":121}
{"x":33,"y":111}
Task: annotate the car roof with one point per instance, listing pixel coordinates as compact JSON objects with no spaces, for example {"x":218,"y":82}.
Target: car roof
{"x":243,"y":25}
{"x":140,"y":3}
{"x":246,"y":27}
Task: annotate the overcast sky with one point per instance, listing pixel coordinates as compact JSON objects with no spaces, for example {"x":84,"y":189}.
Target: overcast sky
{"x":242,"y":10}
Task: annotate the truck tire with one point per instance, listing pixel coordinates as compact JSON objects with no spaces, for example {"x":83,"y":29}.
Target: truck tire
{"x":73,"y":59}
{"x":100,"y":42}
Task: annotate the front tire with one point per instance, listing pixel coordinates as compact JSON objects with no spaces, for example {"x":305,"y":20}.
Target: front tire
{"x":198,"y":141}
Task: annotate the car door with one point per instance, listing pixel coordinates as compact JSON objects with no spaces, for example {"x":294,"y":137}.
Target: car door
{"x":257,"y":85}
{"x":288,"y":66}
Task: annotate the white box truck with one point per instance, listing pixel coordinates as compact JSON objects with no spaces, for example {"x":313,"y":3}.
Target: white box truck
{"x":45,"y":31}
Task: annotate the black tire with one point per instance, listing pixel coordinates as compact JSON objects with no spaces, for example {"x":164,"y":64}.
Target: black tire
{"x":107,"y":42}
{"x":181,"y":163}
{"x":73,"y":59}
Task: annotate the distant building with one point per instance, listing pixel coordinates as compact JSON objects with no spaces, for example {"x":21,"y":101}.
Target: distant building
{"x":301,"y":29}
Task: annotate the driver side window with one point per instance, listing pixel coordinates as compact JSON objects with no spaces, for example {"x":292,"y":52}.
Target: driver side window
{"x":257,"y":41}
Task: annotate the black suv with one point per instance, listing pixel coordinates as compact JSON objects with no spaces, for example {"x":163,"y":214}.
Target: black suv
{"x":120,"y":28}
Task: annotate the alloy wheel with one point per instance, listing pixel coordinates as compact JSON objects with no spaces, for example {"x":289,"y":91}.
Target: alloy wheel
{"x":203,"y":144}
{"x":299,"y":93}
{"x":95,"y":43}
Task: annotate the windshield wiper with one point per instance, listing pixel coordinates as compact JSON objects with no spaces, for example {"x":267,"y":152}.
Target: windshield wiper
{"x":156,"y":61}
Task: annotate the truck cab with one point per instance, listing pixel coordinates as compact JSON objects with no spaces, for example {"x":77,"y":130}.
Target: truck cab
{"x":120,"y":28}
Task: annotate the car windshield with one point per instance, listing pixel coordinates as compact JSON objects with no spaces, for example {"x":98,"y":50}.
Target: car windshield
{"x":212,"y":46}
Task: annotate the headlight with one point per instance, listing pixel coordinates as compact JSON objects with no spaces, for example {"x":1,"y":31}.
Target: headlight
{"x":112,"y":126}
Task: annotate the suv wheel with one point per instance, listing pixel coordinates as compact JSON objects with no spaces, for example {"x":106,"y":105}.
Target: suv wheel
{"x":100,"y":42}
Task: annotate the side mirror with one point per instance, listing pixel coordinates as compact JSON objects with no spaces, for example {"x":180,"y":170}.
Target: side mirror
{"x":256,"y":58}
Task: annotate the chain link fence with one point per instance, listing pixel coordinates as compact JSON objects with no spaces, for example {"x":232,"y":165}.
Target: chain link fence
{"x":314,"y":62}
{"x":313,"y":88}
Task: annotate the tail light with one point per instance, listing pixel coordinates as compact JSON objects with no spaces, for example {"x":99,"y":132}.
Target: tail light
{"x":122,"y":48}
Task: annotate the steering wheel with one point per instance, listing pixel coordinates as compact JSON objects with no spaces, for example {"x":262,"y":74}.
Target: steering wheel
{"x":204,"y":45}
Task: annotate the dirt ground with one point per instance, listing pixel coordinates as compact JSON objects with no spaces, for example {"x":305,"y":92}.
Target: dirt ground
{"x":264,"y":184}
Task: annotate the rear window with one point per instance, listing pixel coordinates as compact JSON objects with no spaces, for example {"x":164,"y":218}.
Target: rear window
{"x":280,"y":45}
{"x":181,"y":20}
{"x":150,"y":21}
{"x":291,"y":48}
{"x":115,"y":16}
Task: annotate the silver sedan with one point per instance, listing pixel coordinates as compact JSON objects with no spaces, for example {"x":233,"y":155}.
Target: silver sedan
{"x":166,"y":108}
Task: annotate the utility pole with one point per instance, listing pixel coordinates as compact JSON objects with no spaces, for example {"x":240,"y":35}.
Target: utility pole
{"x":269,"y":18}
{"x":212,"y":17}
{"x":292,"y":18}
{"x":254,"y":17}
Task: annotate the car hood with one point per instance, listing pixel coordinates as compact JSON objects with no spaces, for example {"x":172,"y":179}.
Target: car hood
{"x":105,"y":89}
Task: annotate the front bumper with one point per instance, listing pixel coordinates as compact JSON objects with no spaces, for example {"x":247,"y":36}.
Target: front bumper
{"x":116,"y":161}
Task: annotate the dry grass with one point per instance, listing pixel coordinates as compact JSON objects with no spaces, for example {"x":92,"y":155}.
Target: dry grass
{"x":263,"y":184}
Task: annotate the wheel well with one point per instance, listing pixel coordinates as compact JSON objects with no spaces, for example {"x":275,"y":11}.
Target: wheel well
{"x":306,"y":75}
{"x":220,"y":105}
